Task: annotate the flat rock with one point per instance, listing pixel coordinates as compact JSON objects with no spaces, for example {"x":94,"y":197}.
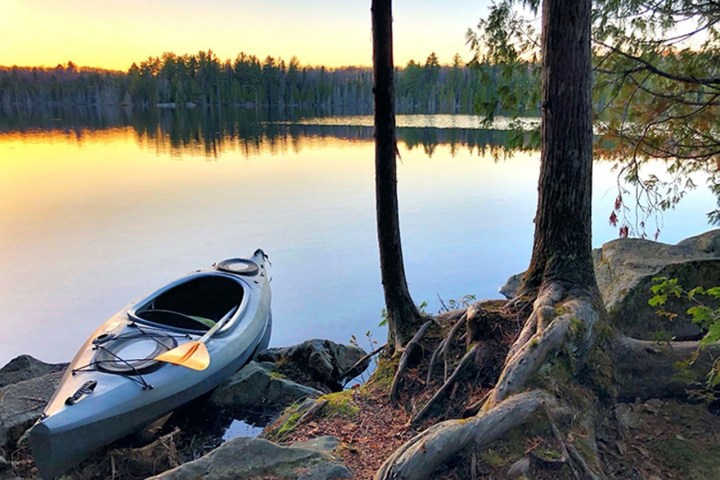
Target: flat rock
{"x":253,"y":458}
{"x":26,"y":367}
{"x":22,"y":403}
{"x":256,"y":387}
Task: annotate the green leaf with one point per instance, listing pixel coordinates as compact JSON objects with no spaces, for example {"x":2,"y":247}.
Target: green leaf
{"x":657,"y":300}
{"x":713,"y":334}
{"x":713,"y":292}
{"x":694,"y":292}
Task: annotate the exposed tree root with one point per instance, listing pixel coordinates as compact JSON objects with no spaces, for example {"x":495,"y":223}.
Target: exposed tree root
{"x":404,"y":360}
{"x":444,"y":346}
{"x":646,"y":369}
{"x":536,"y":321}
{"x":551,"y":329}
{"x":418,"y":458}
{"x":466,"y":362}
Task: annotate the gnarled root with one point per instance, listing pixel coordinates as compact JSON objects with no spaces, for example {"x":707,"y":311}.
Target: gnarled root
{"x":647,"y":369}
{"x":444,"y":346}
{"x":466,"y":361}
{"x":404,"y":360}
{"x":423,"y":454}
{"x":548,"y":331}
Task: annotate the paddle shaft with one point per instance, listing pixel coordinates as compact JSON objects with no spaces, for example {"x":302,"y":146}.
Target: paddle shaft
{"x":218,"y":325}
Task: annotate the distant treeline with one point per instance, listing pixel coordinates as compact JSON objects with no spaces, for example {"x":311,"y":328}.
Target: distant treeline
{"x":203,"y":80}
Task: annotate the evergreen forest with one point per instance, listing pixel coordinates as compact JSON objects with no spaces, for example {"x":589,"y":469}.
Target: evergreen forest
{"x":204,"y":80}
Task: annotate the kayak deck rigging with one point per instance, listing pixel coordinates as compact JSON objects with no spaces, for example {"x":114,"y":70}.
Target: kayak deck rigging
{"x":108,"y":358}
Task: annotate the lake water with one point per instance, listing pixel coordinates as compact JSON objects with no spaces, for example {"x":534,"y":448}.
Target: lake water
{"x":95,"y":212}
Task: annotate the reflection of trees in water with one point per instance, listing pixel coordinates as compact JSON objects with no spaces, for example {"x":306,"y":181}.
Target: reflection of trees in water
{"x":249,"y":131}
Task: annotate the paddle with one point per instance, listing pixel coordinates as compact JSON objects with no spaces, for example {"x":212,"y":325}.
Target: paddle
{"x":194,"y":354}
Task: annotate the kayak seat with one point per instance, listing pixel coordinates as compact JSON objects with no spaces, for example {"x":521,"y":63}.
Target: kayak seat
{"x":194,"y":305}
{"x":205,"y":321}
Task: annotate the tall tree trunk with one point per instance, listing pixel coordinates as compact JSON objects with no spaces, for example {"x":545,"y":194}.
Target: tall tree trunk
{"x":562,"y":242}
{"x":402,"y":314}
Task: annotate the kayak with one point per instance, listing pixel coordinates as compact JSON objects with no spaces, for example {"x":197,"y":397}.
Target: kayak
{"x":215,"y":319}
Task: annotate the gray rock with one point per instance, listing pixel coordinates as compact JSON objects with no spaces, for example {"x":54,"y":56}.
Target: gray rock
{"x":26,"y":367}
{"x":6,"y":470}
{"x":257,"y":388}
{"x":324,"y":361}
{"x":22,"y":403}
{"x":512,"y":285}
{"x":251,"y":458}
{"x":625,"y":269}
{"x":520,"y":468}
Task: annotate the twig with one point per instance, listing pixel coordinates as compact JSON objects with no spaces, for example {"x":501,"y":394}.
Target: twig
{"x":307,"y":416}
{"x":404,"y":360}
{"x":444,"y":307}
{"x":466,"y":360}
{"x":363,"y":360}
{"x":441,"y":347}
{"x":34,"y":399}
{"x":311,"y":412}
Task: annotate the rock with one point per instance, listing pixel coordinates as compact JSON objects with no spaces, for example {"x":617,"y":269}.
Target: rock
{"x":520,"y":468}
{"x":6,"y":470}
{"x":26,"y":367}
{"x":22,"y":403}
{"x":625,"y":269}
{"x":127,"y":462}
{"x":256,"y":387}
{"x":319,"y":363}
{"x":512,"y":285}
{"x":253,"y":458}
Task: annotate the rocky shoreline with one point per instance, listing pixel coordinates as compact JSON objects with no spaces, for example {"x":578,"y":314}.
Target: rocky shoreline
{"x":170,"y":449}
{"x":190,"y":443}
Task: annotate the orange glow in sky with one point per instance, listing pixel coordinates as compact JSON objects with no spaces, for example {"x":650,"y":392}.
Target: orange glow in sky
{"x":113,"y":34}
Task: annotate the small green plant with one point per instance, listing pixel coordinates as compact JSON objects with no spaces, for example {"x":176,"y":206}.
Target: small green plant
{"x":372,"y":343}
{"x":452,"y":304}
{"x":701,"y":313}
{"x":384,"y":316}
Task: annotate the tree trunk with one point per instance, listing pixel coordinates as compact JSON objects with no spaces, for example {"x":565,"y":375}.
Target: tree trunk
{"x":562,"y":242}
{"x":403,"y":316}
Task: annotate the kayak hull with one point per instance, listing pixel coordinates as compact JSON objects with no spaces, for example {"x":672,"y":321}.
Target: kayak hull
{"x":112,"y":405}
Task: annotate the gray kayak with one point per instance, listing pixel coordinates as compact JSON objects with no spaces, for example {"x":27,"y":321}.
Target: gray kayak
{"x":114,"y":386}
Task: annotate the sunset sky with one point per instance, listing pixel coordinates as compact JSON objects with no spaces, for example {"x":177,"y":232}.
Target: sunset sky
{"x":113,"y":34}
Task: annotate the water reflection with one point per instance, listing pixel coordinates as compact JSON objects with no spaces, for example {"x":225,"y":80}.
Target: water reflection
{"x":212,"y":132}
{"x":96,"y":209}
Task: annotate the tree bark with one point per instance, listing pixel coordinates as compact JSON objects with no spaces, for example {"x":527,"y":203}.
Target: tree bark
{"x":403,"y":316}
{"x":562,"y":241}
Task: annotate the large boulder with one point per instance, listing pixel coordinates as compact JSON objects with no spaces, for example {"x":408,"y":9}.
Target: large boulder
{"x":254,"y":458}
{"x":22,"y":403}
{"x":26,"y":367}
{"x":625,"y":269}
{"x":258,"y":388}
{"x":322,"y":364}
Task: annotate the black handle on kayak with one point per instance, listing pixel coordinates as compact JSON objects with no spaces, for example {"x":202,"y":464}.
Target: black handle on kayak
{"x":84,"y":389}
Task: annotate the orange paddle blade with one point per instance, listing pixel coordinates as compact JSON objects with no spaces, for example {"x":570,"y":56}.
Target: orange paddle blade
{"x":192,"y":355}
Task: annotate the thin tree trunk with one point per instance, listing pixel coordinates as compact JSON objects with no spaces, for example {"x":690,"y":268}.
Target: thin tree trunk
{"x":402,"y":313}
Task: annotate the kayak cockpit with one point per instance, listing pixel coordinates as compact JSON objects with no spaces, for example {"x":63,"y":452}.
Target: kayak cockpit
{"x":193,"y":304}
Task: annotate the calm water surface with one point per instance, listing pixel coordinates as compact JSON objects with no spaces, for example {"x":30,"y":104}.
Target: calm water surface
{"x":91,"y":219}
